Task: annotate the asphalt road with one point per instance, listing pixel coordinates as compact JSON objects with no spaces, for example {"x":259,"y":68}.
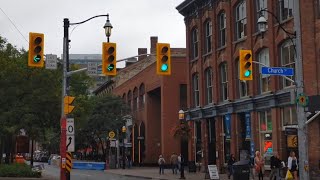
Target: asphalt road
{"x":53,"y":173}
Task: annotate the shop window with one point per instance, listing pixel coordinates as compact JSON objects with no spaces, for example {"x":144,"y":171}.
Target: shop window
{"x":265,"y":127}
{"x":227,"y":137}
{"x":289,"y":116}
{"x":199,"y":153}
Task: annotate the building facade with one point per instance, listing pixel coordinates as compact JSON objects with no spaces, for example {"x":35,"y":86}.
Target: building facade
{"x":230,"y":116}
{"x":155,"y":102}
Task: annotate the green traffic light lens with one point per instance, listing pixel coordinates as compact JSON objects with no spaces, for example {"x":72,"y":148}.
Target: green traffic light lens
{"x":110,"y":67}
{"x":37,"y":58}
{"x":164,"y":67}
{"x":247,"y":73}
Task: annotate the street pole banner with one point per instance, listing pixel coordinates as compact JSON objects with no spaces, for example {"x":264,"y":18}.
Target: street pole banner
{"x":248,"y":125}
{"x":227,"y":126}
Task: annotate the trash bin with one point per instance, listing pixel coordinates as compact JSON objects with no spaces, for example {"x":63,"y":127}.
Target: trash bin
{"x":241,"y":170}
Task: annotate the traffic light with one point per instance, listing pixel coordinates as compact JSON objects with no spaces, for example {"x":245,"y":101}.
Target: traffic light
{"x":163,"y":59}
{"x":67,"y":100}
{"x":245,"y":65}
{"x":109,"y":60}
{"x":36,"y":48}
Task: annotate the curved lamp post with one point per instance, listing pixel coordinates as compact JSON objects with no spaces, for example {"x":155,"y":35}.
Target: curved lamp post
{"x":303,"y":143}
{"x":181,"y":118}
{"x":65,"y":84}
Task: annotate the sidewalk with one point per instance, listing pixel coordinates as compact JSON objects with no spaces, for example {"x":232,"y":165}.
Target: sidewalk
{"x":153,"y":173}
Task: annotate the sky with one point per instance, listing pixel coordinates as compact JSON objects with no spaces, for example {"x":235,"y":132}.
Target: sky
{"x":133,"y":23}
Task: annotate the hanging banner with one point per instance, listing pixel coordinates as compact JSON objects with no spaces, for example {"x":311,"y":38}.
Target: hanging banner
{"x":227,"y":126}
{"x":252,"y":148}
{"x":248,"y":126}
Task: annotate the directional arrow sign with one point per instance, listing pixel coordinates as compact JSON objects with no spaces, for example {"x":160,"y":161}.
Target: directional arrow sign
{"x":277,"y":71}
{"x":70,"y":143}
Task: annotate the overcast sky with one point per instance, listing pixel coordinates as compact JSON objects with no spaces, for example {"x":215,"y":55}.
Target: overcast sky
{"x":133,"y":21}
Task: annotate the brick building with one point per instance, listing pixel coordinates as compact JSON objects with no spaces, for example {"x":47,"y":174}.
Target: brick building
{"x":230,"y":116}
{"x":154,"y":101}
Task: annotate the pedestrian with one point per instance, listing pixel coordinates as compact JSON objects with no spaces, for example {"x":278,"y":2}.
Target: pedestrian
{"x":174,"y":162}
{"x":161,"y":163}
{"x":259,"y":165}
{"x":275,"y":165}
{"x":231,"y":160}
{"x":179,"y":162}
{"x":293,"y":165}
{"x":129,"y":160}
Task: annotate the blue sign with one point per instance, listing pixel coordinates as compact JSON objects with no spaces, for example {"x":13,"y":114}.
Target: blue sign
{"x":227,"y":127}
{"x":248,"y":125}
{"x":277,"y":71}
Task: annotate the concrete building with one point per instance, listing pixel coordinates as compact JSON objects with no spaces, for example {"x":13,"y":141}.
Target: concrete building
{"x":154,"y":101}
{"x":230,"y":116}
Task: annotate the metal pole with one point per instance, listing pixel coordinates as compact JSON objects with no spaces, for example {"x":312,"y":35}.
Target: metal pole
{"x":302,"y":131}
{"x":64,"y":87}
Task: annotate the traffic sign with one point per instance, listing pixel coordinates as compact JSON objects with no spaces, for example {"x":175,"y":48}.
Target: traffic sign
{"x":70,"y":143}
{"x":92,"y":68}
{"x":277,"y":71}
{"x":111,"y":134}
{"x":70,"y":126}
{"x":51,"y":61}
{"x":69,"y":162}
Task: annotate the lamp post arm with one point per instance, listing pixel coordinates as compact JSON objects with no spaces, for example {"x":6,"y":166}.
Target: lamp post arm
{"x":278,"y":21}
{"x":256,"y":62}
{"x":106,"y":15}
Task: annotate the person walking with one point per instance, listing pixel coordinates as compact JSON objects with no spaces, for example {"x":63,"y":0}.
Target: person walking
{"x":161,"y":163}
{"x":259,"y":165}
{"x":179,"y":162}
{"x":293,"y":165}
{"x":174,"y":162}
{"x":275,"y":166}
{"x":231,"y":161}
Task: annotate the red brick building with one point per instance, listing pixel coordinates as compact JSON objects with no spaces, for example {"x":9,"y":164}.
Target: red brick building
{"x":230,"y":116}
{"x":154,"y":100}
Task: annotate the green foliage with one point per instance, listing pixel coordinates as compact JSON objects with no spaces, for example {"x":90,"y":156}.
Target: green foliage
{"x":18,"y":170}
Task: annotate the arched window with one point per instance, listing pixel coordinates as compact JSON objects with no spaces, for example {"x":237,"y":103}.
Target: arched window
{"x":222,"y":25}
{"x":208,"y":85}
{"x":287,"y":60}
{"x":135,"y":99}
{"x":196,"y":91}
{"x":141,"y":96}
{"x":224,"y":81}
{"x":208,"y":36}
{"x":129,"y":98}
{"x":124,"y":97}
{"x":241,"y":20}
{"x":194,"y":43}
{"x":264,"y":80}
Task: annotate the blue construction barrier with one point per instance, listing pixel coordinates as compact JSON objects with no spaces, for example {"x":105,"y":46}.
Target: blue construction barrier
{"x":88,"y":165}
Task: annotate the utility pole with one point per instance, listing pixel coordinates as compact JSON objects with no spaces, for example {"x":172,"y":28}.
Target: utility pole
{"x":302,"y":129}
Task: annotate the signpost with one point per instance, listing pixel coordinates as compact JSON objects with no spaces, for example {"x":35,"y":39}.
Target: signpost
{"x":92,"y":68}
{"x":51,"y":61}
{"x":213,"y":172}
{"x":70,"y":135}
{"x":282,"y":71}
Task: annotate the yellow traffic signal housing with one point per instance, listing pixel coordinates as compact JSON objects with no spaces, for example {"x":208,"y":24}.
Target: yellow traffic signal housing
{"x":245,"y":65}
{"x":163,"y":59}
{"x":67,"y":100}
{"x":109,"y":60}
{"x":36,"y":49}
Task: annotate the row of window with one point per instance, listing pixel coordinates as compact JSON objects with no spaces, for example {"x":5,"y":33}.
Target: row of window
{"x":287,"y":59}
{"x":285,"y":11}
{"x":132,"y":98}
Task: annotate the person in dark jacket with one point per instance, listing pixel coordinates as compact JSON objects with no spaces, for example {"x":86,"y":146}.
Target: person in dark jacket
{"x":230,"y":162}
{"x":275,"y":166}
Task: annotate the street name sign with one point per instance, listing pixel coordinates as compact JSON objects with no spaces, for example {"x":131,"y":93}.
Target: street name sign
{"x":51,"y":61}
{"x":277,"y":71}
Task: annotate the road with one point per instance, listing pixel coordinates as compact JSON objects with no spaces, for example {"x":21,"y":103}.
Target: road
{"x":53,"y":173}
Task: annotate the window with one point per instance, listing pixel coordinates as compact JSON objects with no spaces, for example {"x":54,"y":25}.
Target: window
{"x":199,"y":150}
{"x":266,"y":147}
{"x":129,"y":98}
{"x":318,"y":8}
{"x":194,"y":43}
{"x":226,"y":126}
{"x":289,"y":115}
{"x":196,"y":96}
{"x":222,"y":29}
{"x":141,"y":96}
{"x":224,"y":81}
{"x":208,"y":75}
{"x":135,"y":98}
{"x":208,"y":36}
{"x":243,"y":85}
{"x":285,"y":9}
{"x":264,"y":80}
{"x":124,"y":97}
{"x":261,"y":5}
{"x":241,"y":20}
{"x":287,"y":59}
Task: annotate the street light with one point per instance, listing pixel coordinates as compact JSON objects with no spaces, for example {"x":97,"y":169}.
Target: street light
{"x":181,"y":118}
{"x":302,"y":131}
{"x":65,"y":84}
{"x":124,"y":129}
